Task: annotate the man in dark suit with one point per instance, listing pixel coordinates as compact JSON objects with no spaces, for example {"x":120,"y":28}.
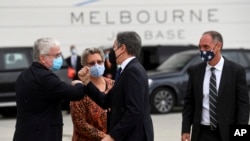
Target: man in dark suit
{"x":74,"y":62}
{"x":217,"y":94}
{"x":128,"y":101}
{"x":39,"y":93}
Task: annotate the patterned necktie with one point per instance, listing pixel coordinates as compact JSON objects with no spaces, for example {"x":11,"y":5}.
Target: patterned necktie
{"x":213,"y":100}
{"x":118,"y":73}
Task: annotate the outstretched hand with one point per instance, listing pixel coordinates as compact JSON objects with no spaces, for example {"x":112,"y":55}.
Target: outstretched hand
{"x":84,"y":75}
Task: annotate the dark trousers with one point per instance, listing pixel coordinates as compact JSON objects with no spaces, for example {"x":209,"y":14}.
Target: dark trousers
{"x":208,"y":134}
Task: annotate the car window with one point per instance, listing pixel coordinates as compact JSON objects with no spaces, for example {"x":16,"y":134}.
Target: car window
{"x":15,"y":60}
{"x":247,"y":54}
{"x":176,"y":61}
{"x":236,"y":57}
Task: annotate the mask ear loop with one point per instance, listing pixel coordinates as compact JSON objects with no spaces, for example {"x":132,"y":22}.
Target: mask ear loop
{"x":120,"y":53}
{"x":214,"y":48}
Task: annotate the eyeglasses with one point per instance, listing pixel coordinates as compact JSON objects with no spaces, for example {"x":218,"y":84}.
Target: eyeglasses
{"x":54,"y":55}
{"x":94,"y":62}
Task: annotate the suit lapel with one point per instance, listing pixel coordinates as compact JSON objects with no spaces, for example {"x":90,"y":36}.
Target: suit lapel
{"x":131,"y":62}
{"x":201,"y":75}
{"x":124,"y":70}
{"x":224,"y":76}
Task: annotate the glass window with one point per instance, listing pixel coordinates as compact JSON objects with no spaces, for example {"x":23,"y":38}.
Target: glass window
{"x":236,"y":57}
{"x":247,"y":53}
{"x":177,"y":61}
{"x":15,"y":61}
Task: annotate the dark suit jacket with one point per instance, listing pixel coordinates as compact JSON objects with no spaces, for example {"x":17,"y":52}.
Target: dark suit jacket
{"x":78,"y":65}
{"x":129,"y":119}
{"x":38,"y":95}
{"x":233,"y":101}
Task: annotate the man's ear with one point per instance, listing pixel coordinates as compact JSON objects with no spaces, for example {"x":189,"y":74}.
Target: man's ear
{"x":219,"y":44}
{"x":123,"y":47}
{"x":41,"y":59}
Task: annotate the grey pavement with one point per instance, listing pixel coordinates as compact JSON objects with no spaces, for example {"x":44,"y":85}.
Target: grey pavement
{"x":166,"y":127}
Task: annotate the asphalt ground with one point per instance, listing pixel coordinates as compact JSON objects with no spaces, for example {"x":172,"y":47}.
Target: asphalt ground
{"x":167,"y":127}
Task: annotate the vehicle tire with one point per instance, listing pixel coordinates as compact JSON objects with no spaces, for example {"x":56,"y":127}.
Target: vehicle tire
{"x":162,"y":100}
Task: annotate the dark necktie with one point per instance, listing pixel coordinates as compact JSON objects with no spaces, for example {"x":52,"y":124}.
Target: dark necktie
{"x":118,"y":73}
{"x":213,"y":100}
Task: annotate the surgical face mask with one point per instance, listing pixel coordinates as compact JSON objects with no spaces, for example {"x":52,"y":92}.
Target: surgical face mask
{"x":73,"y":51}
{"x":97,"y":70}
{"x":106,"y":55}
{"x":57,"y":63}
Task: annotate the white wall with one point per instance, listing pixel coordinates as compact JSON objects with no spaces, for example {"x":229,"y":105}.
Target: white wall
{"x":88,"y":23}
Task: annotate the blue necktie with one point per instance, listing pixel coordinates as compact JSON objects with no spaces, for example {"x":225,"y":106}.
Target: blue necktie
{"x":118,"y":73}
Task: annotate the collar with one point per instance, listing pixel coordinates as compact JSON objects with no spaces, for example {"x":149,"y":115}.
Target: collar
{"x":218,"y":66}
{"x":125,"y":62}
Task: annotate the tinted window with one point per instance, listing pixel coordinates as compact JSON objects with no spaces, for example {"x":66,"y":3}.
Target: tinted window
{"x":176,"y":61}
{"x":247,"y":54}
{"x":15,"y":61}
{"x":152,"y":56}
{"x":236,"y":57}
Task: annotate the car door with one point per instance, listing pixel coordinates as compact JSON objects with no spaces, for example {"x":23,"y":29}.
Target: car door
{"x":241,"y":57}
{"x":12,"y":61}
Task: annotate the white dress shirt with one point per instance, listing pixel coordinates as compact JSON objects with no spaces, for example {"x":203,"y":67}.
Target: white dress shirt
{"x":205,"y":120}
{"x":73,"y":61}
{"x":125,"y":62}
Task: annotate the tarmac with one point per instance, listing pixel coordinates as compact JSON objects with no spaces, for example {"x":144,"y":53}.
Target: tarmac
{"x":167,"y":127}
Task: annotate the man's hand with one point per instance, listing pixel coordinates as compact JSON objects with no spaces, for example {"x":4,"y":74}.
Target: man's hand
{"x":84,"y":75}
{"x":107,"y":138}
{"x":185,"y":137}
{"x":74,"y":82}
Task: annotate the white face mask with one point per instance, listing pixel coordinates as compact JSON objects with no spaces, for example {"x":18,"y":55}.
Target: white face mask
{"x":73,"y":51}
{"x":97,"y":70}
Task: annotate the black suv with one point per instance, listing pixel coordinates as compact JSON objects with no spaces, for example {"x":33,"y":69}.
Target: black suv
{"x":13,"y":60}
{"x":153,"y":55}
{"x":168,"y":82}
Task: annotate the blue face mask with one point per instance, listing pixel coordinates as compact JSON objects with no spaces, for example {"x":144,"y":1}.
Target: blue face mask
{"x":97,"y":70}
{"x":57,"y":63}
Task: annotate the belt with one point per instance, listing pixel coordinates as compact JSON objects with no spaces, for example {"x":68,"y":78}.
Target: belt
{"x":209,"y":127}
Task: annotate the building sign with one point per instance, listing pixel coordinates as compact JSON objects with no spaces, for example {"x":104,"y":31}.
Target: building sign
{"x":88,"y":23}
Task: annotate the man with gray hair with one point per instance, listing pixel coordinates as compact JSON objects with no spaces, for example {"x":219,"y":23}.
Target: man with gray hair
{"x":39,"y":93}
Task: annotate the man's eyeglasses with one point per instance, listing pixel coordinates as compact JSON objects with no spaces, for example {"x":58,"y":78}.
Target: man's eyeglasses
{"x":54,"y":55}
{"x":100,"y":62}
